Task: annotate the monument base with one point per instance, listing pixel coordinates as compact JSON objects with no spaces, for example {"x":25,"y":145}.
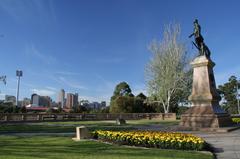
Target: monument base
{"x":204,"y":117}
{"x":205,"y":112}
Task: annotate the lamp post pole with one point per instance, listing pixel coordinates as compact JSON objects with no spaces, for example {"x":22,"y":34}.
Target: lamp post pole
{"x":18,"y":74}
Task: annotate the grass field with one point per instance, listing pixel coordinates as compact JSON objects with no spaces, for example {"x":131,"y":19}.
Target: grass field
{"x":59,"y":147}
{"x":57,"y":127}
{"x":38,"y":147}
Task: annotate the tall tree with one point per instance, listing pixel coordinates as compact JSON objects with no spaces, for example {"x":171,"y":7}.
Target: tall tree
{"x":122,"y":89}
{"x":166,"y":72}
{"x":122,"y":100}
{"x":228,"y":92}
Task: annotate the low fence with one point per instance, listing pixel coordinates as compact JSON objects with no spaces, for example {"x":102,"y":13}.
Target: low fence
{"x":82,"y":117}
{"x":235,"y":115}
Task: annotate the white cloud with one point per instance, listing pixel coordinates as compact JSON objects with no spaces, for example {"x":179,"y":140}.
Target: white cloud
{"x":51,"y":88}
{"x":33,"y":51}
{"x":44,"y":92}
{"x":67,"y":73}
{"x":110,"y":60}
{"x":35,"y":9}
{"x":71,"y":83}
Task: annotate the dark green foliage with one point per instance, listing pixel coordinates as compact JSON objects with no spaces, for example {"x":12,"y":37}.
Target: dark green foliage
{"x":23,"y":109}
{"x":8,"y":108}
{"x":123,"y":101}
{"x":105,"y":110}
{"x":228,"y":92}
{"x":122,"y":104}
{"x":122,"y":89}
{"x":181,"y":110}
{"x":77,"y":109}
{"x":141,"y":96}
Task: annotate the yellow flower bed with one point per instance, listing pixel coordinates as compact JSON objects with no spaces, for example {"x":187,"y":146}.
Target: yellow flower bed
{"x":166,"y":140}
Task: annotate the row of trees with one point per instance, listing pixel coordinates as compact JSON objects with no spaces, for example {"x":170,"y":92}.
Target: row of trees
{"x":123,"y":101}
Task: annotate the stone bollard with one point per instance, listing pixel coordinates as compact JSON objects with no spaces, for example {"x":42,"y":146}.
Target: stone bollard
{"x":81,"y":133}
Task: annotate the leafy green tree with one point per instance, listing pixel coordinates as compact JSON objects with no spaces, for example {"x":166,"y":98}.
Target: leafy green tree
{"x":122,"y":100}
{"x":228,"y":92}
{"x":122,"y":89}
{"x":166,"y":73}
{"x":141,"y":96}
{"x":140,"y":104}
{"x":23,"y":109}
{"x":105,"y":110}
{"x":122,"y":104}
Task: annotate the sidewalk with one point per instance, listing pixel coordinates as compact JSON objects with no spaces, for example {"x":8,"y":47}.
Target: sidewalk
{"x":226,"y":145}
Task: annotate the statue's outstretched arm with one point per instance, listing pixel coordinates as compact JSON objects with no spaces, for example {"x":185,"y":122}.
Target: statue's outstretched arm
{"x":191,"y":35}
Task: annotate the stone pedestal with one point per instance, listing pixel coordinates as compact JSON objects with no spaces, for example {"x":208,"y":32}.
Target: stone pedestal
{"x":81,"y":133}
{"x":205,"y":111}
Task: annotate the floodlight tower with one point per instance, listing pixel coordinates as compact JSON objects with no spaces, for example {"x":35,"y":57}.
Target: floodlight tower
{"x":3,"y":78}
{"x":19,"y":74}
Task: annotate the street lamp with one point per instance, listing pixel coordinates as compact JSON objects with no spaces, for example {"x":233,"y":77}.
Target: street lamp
{"x":19,"y":74}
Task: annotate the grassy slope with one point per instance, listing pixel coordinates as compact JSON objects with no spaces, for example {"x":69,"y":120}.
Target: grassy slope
{"x":13,"y":147}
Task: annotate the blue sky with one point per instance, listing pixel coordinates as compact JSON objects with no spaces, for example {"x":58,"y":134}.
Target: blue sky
{"x":88,"y":46}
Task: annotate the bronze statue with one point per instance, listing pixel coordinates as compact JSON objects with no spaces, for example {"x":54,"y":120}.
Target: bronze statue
{"x":199,"y":40}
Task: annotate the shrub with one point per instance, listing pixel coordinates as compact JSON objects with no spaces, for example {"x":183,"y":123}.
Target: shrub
{"x":236,"y":120}
{"x":164,"y":140}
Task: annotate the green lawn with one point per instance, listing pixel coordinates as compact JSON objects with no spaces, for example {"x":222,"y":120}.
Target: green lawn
{"x":56,"y":127}
{"x":13,"y":147}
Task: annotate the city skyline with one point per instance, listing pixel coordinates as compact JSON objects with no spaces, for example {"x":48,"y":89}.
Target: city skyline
{"x":88,"y":47}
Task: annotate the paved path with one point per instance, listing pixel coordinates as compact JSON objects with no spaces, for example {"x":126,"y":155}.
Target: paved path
{"x":226,"y":145}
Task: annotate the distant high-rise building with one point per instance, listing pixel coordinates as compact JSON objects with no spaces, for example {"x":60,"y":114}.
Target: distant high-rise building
{"x":25,"y":101}
{"x":61,"y":98}
{"x":35,"y":100}
{"x":42,"y":101}
{"x":75,"y":102}
{"x":95,"y":105}
{"x":72,"y":100}
{"x":10,"y":99}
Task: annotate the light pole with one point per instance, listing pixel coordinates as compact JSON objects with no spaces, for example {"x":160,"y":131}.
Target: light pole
{"x":3,"y":78}
{"x":19,"y":74}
